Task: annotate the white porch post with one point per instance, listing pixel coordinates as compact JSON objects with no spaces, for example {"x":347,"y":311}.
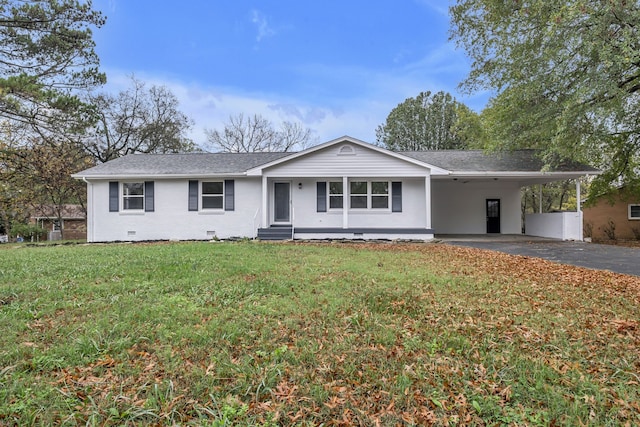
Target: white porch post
{"x":579,"y":210}
{"x":345,"y":203}
{"x":539,"y":198}
{"x":265,"y":199}
{"x":427,"y":191}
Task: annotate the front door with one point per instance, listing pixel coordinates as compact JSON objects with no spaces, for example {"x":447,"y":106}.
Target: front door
{"x":281,"y":206}
{"x":493,"y":216}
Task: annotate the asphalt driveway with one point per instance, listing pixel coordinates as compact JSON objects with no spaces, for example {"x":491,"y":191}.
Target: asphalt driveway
{"x":618,"y":259}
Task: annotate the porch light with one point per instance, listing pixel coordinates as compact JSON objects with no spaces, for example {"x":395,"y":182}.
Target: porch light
{"x":300,"y":186}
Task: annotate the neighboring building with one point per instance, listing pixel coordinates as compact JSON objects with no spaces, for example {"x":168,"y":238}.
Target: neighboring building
{"x":344,"y":188}
{"x":72,"y":225}
{"x":616,"y":216}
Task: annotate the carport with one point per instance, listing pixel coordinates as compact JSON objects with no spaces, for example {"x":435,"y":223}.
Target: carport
{"x":482,"y":192}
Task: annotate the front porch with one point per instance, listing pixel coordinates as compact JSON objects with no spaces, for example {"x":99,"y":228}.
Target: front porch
{"x":283,"y":232}
{"x":388,"y":208}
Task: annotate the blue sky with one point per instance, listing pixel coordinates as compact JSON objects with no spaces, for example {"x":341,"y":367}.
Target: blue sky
{"x":337,"y":67}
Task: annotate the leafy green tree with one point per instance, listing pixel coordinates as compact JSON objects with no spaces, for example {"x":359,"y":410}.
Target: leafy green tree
{"x":37,"y":174}
{"x":46,"y":55}
{"x":137,"y":120}
{"x":47,"y":60}
{"x":567,"y":74}
{"x":428,"y":122}
{"x":556,"y":196}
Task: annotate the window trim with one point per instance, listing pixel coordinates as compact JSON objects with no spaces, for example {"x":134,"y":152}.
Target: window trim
{"x":629,"y":216}
{"x":370,"y":195}
{"x":126,"y":197}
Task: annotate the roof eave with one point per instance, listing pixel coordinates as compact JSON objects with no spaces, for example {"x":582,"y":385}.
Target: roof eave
{"x":158,"y":176}
{"x":518,"y":174}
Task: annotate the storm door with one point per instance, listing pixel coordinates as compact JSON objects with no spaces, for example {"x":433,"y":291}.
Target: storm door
{"x":493,"y":216}
{"x":281,"y":206}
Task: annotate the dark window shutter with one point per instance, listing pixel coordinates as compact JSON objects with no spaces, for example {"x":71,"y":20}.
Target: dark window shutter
{"x":148,"y":196}
{"x":321,"y":195}
{"x":113,"y":196}
{"x":193,"y":195}
{"x":396,"y":196}
{"x":229,"y":200}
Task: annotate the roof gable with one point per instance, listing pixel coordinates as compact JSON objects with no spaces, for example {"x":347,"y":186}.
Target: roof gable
{"x":345,"y":147}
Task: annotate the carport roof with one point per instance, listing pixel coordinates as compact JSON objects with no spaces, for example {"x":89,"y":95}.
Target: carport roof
{"x":481,"y":161}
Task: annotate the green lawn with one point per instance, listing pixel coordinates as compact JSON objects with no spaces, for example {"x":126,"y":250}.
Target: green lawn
{"x":290,"y":334}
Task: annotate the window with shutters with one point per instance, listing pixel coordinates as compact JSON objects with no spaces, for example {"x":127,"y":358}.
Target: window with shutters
{"x":212,"y":195}
{"x":133,"y":196}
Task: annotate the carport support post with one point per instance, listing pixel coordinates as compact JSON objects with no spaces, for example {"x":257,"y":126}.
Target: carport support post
{"x":539,"y":198}
{"x":427,"y":190}
{"x":578,"y":204}
{"x":579,"y":210}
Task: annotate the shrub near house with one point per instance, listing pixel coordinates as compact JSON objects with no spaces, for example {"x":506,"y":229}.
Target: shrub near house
{"x":614,"y":218}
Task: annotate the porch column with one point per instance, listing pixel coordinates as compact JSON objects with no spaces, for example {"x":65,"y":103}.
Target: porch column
{"x":265,"y":199}
{"x":345,"y":202}
{"x":579,"y":210}
{"x":539,"y":198}
{"x":427,"y":192}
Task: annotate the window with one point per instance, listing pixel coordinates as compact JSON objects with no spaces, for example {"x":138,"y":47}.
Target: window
{"x":369,"y":195}
{"x":380,"y":195}
{"x":133,"y":195}
{"x":213,"y":195}
{"x":136,"y":196}
{"x":634,"y":211}
{"x":335,"y":195}
{"x":358,"y":194}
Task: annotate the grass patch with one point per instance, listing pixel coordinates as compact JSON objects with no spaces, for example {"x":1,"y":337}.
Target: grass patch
{"x":297,"y":334}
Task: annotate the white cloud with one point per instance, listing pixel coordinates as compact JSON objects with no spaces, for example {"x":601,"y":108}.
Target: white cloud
{"x":210,"y":108}
{"x":264,"y":30}
{"x":337,"y":100}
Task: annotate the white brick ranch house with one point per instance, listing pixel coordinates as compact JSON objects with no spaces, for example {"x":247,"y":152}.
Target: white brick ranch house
{"x":344,"y":188}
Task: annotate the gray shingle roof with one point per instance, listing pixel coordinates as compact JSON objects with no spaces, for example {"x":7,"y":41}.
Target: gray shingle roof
{"x":194,"y":164}
{"x":182,"y":164}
